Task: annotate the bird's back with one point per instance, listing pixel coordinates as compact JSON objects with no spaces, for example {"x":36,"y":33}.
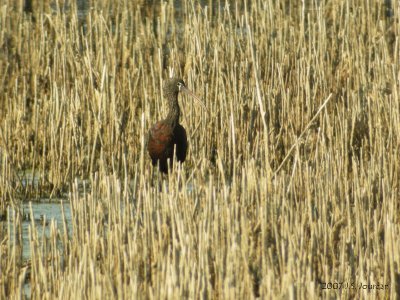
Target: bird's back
{"x":161,"y":142}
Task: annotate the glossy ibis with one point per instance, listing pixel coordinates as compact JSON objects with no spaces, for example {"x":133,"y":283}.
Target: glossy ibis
{"x":168,"y":135}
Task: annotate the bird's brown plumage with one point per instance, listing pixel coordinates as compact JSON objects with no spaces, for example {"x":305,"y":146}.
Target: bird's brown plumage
{"x":168,"y":135}
{"x":162,"y":141}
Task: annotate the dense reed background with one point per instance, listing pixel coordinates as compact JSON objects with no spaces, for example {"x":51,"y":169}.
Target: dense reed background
{"x":292,"y":177}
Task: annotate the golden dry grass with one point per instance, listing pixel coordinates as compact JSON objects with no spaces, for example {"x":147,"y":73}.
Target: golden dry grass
{"x":292,"y":178}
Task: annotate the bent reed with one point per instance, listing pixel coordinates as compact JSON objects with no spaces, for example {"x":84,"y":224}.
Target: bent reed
{"x":291,"y":184}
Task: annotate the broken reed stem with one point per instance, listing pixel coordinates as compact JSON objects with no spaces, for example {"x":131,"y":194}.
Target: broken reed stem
{"x":301,"y":135}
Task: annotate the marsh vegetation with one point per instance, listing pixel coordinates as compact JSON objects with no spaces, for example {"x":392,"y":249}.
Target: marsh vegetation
{"x":291,"y":180}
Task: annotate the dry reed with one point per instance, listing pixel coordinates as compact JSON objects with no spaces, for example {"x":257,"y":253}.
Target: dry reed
{"x":292,"y":178}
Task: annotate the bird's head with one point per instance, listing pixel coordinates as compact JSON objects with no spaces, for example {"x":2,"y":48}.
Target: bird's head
{"x":173,"y":86}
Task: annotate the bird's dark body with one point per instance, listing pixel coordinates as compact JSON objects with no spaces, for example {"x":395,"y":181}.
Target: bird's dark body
{"x":163,"y":141}
{"x":168,"y":136}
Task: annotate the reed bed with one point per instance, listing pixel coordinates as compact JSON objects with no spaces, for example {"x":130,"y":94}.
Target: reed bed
{"x":291,"y":187}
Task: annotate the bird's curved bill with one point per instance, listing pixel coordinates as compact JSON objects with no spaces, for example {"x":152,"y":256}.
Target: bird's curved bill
{"x":189,"y":92}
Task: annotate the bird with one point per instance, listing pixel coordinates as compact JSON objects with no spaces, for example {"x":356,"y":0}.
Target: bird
{"x":168,"y":136}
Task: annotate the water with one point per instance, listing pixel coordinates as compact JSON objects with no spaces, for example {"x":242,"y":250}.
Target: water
{"x":43,"y":215}
{"x":49,"y":212}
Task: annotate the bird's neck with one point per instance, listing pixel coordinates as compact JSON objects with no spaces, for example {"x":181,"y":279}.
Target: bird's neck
{"x":174,"y":110}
